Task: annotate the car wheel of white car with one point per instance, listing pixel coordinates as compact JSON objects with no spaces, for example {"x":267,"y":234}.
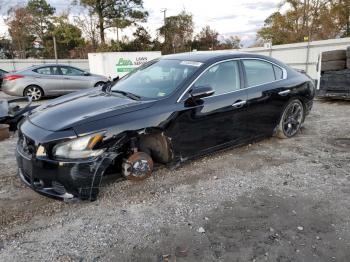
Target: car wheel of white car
{"x":34,"y":92}
{"x":100,"y":84}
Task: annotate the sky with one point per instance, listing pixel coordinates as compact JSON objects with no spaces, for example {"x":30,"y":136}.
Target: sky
{"x":228,"y":17}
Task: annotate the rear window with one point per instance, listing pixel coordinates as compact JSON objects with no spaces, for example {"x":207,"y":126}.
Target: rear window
{"x":278,"y":72}
{"x":261,"y":72}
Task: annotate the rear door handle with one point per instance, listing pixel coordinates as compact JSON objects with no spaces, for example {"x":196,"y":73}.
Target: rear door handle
{"x":284,"y":93}
{"x":239,"y":104}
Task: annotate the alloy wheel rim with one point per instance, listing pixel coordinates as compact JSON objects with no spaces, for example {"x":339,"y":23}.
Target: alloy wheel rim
{"x":34,"y":93}
{"x":292,"y":119}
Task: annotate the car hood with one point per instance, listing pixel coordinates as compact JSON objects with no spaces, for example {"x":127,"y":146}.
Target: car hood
{"x":81,"y":108}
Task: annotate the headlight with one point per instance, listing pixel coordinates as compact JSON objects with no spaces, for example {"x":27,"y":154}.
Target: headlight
{"x":79,"y":148}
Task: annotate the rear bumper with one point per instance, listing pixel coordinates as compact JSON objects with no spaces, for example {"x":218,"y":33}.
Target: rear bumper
{"x":12,"y":88}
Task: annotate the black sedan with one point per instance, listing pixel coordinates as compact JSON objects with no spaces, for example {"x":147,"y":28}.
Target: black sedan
{"x":169,"y":110}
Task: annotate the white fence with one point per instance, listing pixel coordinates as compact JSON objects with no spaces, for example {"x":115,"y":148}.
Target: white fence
{"x":18,"y":64}
{"x":301,"y":55}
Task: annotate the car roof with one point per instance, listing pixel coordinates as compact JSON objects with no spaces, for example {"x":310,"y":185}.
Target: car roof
{"x":208,"y":56}
{"x":44,"y":65}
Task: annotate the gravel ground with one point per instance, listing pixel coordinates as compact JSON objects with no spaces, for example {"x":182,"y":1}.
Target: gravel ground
{"x":276,"y":200}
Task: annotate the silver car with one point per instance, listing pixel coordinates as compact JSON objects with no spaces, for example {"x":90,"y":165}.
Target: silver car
{"x":49,"y":80}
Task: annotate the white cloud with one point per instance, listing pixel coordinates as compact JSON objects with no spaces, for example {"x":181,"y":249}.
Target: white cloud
{"x":228,"y":17}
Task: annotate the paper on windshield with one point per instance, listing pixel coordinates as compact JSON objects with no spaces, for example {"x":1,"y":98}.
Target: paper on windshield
{"x":191,"y":63}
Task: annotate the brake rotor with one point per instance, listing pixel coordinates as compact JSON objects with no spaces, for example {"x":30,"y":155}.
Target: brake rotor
{"x":138,"y":166}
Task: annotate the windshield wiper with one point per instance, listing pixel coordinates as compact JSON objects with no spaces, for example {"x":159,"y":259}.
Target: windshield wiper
{"x":127,"y":94}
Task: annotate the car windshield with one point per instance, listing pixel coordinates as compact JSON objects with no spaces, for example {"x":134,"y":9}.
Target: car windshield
{"x":156,"y":80}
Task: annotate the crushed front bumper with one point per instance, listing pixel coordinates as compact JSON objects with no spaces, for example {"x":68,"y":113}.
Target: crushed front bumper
{"x":63,"y":180}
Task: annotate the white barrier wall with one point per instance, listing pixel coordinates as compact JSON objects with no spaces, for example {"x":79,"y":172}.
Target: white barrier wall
{"x":301,"y":55}
{"x":113,"y":64}
{"x":18,"y":64}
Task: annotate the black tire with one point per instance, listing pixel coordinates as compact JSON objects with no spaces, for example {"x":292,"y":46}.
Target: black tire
{"x":33,"y":91}
{"x":99,"y":84}
{"x":333,"y":65}
{"x":334,"y":55}
{"x":292,"y":119}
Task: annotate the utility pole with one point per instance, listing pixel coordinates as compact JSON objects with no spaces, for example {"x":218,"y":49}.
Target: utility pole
{"x":55,"y":48}
{"x":164,"y":13}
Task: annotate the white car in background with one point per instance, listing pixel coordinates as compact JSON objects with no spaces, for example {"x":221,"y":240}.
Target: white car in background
{"x":49,"y":80}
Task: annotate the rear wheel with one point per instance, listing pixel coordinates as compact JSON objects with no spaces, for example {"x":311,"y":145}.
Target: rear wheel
{"x":34,"y":92}
{"x":291,"y":120}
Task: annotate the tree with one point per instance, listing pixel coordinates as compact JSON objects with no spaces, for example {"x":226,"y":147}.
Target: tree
{"x":88,"y":24}
{"x":116,"y":13}
{"x":177,"y":33}
{"x":18,"y":23}
{"x":233,"y":42}
{"x":306,"y":20}
{"x":41,"y":15}
{"x":5,"y":48}
{"x":68,"y":38}
{"x":207,"y":39}
{"x":142,"y":41}
{"x":340,"y":9}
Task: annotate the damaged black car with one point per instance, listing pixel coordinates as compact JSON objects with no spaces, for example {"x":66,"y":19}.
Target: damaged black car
{"x":167,"y":111}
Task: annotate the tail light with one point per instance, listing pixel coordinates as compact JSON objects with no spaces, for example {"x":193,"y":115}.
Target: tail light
{"x":12,"y":77}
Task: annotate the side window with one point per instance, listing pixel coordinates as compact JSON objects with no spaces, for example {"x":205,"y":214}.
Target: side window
{"x":278,"y":72}
{"x":258,"y":72}
{"x":49,"y":70}
{"x":43,"y":70}
{"x":71,"y":71}
{"x":223,"y":78}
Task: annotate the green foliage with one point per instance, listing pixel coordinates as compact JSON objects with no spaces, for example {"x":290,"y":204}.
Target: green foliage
{"x":142,"y":41}
{"x":41,"y":14}
{"x":177,"y":33}
{"x":68,"y":37}
{"x":113,"y":47}
{"x":207,"y":39}
{"x":307,"y":19}
{"x":233,"y":42}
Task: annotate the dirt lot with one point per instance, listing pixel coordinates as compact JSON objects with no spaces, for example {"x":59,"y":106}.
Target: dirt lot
{"x":276,"y":200}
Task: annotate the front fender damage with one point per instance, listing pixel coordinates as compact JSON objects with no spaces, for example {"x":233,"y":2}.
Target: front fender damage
{"x":97,"y":170}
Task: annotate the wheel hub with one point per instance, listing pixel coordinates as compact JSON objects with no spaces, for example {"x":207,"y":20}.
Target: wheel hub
{"x":34,"y":93}
{"x":138,"y":166}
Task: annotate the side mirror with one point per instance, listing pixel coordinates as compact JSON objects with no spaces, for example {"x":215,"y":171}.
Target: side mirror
{"x":110,"y":83}
{"x":86,"y":73}
{"x":201,"y":92}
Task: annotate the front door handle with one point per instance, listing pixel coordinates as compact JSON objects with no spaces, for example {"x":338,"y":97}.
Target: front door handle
{"x":239,"y":104}
{"x":284,"y":93}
